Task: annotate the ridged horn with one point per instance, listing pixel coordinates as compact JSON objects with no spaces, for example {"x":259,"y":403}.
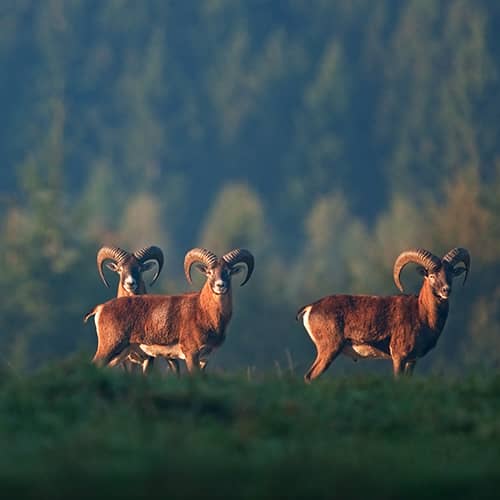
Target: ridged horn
{"x":115,"y":254}
{"x":240,"y":255}
{"x":202,"y":255}
{"x":151,"y":253}
{"x":418,"y":256}
{"x":456,"y":255}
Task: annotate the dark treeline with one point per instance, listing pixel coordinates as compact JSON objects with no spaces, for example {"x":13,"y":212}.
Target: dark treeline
{"x":326,"y":137}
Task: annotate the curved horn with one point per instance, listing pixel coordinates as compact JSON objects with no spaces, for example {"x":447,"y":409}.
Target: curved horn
{"x":151,"y":253}
{"x":109,"y":253}
{"x":240,"y":255}
{"x":456,"y":255}
{"x":418,"y":256}
{"x":198,"y":255}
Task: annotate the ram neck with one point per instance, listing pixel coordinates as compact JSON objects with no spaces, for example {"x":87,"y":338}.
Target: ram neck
{"x":432,"y":311}
{"x":123,"y":293}
{"x":217,"y":308}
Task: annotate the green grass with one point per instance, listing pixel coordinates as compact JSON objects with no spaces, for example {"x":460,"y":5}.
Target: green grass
{"x":73,"y":431}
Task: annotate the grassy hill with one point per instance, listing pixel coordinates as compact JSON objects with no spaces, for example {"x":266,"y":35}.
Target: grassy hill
{"x":72,"y":431}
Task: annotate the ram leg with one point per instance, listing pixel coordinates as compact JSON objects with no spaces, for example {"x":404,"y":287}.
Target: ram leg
{"x":105,"y":354}
{"x":99,"y":359}
{"x":173,"y":364}
{"x":323,"y":360}
{"x":409,"y":367}
{"x":129,"y":366}
{"x":193,"y":363}
{"x":397,"y":366}
{"x":120,"y":357}
{"x":137,"y":359}
{"x":147,"y":365}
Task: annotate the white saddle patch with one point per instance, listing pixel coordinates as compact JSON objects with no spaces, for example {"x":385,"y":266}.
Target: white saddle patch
{"x":364,"y":351}
{"x":167,"y":351}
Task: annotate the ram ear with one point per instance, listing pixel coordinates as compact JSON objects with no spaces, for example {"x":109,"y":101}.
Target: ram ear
{"x":237,"y":269}
{"x":422,"y":271}
{"x":147,"y":266}
{"x":113,"y":266}
{"x":202,"y":268}
{"x":458,"y":271}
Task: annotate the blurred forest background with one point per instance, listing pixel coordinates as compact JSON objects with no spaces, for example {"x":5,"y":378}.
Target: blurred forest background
{"x":326,"y":137}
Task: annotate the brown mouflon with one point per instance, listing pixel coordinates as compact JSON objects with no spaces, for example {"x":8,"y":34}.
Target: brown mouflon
{"x":188,"y":326}
{"x":402,"y":328}
{"x":130,"y":268}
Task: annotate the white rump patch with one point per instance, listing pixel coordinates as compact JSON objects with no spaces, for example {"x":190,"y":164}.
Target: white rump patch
{"x":307,"y":324}
{"x":96,"y":319}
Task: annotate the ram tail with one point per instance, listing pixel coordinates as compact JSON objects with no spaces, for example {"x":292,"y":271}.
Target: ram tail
{"x":301,"y":312}
{"x":91,"y":313}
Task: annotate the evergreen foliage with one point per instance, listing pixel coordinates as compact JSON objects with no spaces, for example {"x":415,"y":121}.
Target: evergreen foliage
{"x":324,"y":136}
